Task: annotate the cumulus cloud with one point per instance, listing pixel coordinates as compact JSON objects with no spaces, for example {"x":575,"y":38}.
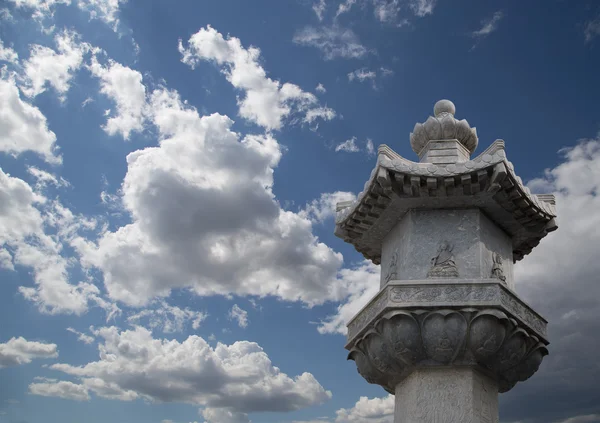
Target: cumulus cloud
{"x":46,"y":66}
{"x":204,"y":217}
{"x":168,"y":318}
{"x":23,"y":127}
{"x":237,"y":378}
{"x":321,"y":89}
{"x":21,"y":351}
{"x":60,"y":389}
{"x":570,"y":372}
{"x":25,"y":220}
{"x":124,"y":86}
{"x":7,"y":54}
{"x":239,"y":315}
{"x":363,"y":284}
{"x":374,"y":410}
{"x":333,"y":41}
{"x":266,"y":102}
{"x":348,"y":146}
{"x":323,"y":208}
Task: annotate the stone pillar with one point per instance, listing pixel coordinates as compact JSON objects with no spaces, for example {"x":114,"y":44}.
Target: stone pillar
{"x":447,"y":395}
{"x":447,"y":332}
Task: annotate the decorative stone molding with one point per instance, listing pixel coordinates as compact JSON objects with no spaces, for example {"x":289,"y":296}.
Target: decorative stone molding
{"x":435,"y":294}
{"x":402,"y":340}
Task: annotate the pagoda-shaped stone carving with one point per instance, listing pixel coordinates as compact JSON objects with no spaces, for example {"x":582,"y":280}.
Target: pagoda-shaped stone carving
{"x":446,"y":332}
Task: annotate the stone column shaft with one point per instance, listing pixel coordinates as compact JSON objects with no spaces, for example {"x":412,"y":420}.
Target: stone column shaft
{"x":446,"y":395}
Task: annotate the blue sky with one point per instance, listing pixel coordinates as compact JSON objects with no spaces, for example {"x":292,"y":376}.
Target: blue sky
{"x":169,"y":172}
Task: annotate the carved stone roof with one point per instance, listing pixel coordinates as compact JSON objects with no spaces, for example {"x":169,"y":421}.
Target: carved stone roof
{"x":487,"y":182}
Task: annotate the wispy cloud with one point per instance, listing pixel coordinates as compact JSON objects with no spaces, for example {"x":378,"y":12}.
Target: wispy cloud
{"x":591,"y":29}
{"x":366,"y":75}
{"x":333,"y":41}
{"x":349,"y":146}
{"x":319,"y":9}
{"x":487,"y":27}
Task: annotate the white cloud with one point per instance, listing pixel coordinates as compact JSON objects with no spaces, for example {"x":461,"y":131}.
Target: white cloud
{"x":589,"y":418}
{"x":24,"y":220}
{"x":223,"y":415}
{"x":60,"y":389}
{"x":169,"y":318}
{"x":204,"y":216}
{"x":488,"y":26}
{"x":386,"y":71}
{"x":333,"y":42}
{"x":591,"y":29}
{"x":323,"y":208}
{"x":363,"y":284}
{"x":21,"y":351}
{"x":370,"y":147}
{"x":319,"y":9}
{"x":321,"y":89}
{"x":374,"y":410}
{"x":7,"y":54}
{"x":349,"y":146}
{"x":43,"y":179}
{"x":239,"y":315}
{"x":56,"y":68}
{"x":361,"y":75}
{"x":266,"y":102}
{"x":239,"y":378}
{"x":387,"y":10}
{"x":422,"y":8}
{"x":105,"y":10}
{"x":86,"y":339}
{"x":23,"y":127}
{"x":124,"y":86}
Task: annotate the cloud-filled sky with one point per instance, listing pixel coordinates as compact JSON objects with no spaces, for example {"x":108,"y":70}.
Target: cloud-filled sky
{"x":168,"y":179}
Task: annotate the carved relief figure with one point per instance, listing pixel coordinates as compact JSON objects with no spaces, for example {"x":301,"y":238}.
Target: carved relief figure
{"x":497,"y":271}
{"x":443,"y":265}
{"x":392,"y":272}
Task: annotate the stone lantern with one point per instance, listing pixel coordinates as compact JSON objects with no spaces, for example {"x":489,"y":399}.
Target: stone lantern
{"x":447,"y":332}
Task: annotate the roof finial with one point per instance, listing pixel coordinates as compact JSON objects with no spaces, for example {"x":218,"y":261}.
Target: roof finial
{"x":442,"y":107}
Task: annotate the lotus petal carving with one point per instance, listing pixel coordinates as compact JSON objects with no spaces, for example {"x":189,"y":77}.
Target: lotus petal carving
{"x":403,"y":340}
{"x":487,"y":333}
{"x":402,"y":331}
{"x":444,"y":333}
{"x":443,"y":126}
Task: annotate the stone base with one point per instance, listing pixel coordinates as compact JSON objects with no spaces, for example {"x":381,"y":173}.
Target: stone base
{"x":446,"y":395}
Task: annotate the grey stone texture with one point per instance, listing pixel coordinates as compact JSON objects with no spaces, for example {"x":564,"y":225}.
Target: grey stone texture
{"x":446,"y":395}
{"x":487,"y":182}
{"x":474,"y":238}
{"x":446,"y":332}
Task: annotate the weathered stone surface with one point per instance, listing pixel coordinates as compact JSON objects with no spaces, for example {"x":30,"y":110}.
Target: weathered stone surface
{"x":432,"y":294}
{"x":446,"y":395}
{"x":446,"y":243}
{"x":402,"y":340}
{"x":487,"y":182}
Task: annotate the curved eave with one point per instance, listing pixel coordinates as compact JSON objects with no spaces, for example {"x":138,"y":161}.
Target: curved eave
{"x":488,"y":182}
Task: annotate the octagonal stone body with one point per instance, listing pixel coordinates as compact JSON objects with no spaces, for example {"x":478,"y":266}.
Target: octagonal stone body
{"x":480,"y":249}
